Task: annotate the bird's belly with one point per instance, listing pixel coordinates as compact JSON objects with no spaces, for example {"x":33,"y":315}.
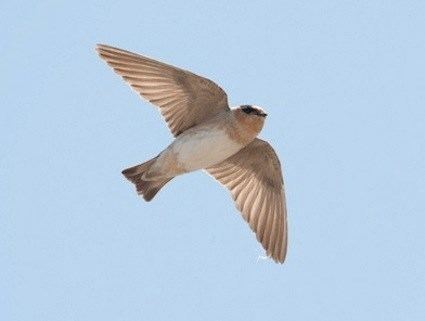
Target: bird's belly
{"x":203,"y":149}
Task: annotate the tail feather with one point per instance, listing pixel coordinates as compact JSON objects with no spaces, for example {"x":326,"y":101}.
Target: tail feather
{"x":147,"y":189}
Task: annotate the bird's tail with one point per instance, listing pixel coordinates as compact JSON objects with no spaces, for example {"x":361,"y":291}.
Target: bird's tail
{"x":147,"y":189}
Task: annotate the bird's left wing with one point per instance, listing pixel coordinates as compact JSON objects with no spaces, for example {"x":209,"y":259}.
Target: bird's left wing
{"x":254,"y":178}
{"x":184,"y":99}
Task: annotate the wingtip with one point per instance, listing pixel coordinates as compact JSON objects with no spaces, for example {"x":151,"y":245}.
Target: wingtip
{"x":102,"y":47}
{"x":278,"y":260}
{"x":99,"y":47}
{"x":280,"y":257}
{"x":277,"y":257}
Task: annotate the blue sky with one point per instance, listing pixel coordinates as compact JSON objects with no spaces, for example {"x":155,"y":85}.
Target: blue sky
{"x":343,"y":83}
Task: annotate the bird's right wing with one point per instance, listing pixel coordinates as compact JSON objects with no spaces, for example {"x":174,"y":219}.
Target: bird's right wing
{"x":254,"y":178}
{"x":184,"y":99}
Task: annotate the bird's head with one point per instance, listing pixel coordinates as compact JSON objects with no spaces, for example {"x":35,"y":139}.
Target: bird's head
{"x":250,"y":116}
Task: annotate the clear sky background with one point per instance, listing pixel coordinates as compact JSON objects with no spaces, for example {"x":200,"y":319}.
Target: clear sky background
{"x":344,"y":85}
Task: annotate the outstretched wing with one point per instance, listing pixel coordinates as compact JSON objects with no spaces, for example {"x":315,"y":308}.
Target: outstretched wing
{"x":184,"y":99}
{"x":254,"y":178}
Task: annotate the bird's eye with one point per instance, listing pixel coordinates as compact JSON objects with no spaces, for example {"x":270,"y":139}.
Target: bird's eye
{"x":247,"y":109}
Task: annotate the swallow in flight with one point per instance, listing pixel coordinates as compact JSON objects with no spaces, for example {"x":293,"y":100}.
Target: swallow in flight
{"x":210,"y":136}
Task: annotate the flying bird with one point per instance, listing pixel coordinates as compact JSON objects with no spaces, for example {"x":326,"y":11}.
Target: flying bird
{"x":209,"y":135}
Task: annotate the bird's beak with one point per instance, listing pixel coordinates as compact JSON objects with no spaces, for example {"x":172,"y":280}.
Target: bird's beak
{"x":263,"y":115}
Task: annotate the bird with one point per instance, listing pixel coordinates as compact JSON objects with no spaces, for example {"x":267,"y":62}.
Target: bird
{"x":208,"y":136}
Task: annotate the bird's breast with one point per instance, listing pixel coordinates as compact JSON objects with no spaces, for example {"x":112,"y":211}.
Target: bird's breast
{"x":203,"y":148}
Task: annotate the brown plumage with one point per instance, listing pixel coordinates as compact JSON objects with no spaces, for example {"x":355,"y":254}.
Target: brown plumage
{"x":210,"y":136}
{"x":254,"y":178}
